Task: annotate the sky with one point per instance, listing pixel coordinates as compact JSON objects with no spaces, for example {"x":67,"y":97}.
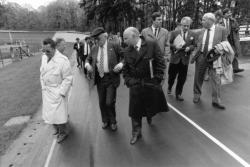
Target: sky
{"x":34,"y":3}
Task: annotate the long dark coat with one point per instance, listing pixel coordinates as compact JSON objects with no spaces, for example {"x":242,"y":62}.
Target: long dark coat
{"x":146,"y":94}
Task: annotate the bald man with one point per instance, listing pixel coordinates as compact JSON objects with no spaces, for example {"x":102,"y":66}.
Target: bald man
{"x":210,"y":35}
{"x":143,"y":72}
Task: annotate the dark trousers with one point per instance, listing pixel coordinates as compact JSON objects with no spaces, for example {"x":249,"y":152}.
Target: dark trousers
{"x":235,"y":63}
{"x":78,"y":59}
{"x":136,"y":126}
{"x":179,"y":69}
{"x":107,"y":98}
{"x":61,"y":128}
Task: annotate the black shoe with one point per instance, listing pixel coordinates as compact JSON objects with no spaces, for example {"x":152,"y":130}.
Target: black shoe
{"x":61,"y":137}
{"x":238,"y":70}
{"x":179,"y":98}
{"x":219,"y":106}
{"x":169,"y":92}
{"x":196,"y":99}
{"x":105,"y":125}
{"x":135,"y":138}
{"x":149,"y":120}
{"x":113,"y":127}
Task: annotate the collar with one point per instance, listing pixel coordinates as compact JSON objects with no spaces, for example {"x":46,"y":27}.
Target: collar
{"x":105,"y":44}
{"x":213,"y":27}
{"x":138,"y":44}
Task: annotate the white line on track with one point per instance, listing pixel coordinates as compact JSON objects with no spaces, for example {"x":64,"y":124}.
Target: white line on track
{"x":216,"y":141}
{"x":50,"y":153}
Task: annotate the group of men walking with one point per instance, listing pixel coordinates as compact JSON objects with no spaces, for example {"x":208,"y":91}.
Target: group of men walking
{"x":143,"y":65}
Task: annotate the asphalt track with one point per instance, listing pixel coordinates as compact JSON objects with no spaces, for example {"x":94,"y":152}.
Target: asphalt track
{"x":172,"y":140}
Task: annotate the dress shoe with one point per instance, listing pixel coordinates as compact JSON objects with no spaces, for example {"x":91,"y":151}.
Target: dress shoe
{"x":179,"y":98}
{"x":113,"y":127}
{"x":196,"y":99}
{"x":238,"y":70}
{"x":135,"y":138}
{"x":169,"y":92}
{"x":218,"y":105}
{"x":149,"y":120}
{"x":105,"y":125}
{"x":61,"y":137}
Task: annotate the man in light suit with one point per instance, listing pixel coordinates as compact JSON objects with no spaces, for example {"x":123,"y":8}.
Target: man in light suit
{"x":156,"y":32}
{"x":104,"y":63}
{"x":210,"y":36}
{"x":180,"y":57}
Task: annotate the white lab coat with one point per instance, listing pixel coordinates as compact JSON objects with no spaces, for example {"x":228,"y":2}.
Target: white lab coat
{"x":56,"y":79}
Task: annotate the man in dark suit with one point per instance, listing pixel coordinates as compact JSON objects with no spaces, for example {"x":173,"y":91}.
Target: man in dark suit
{"x":79,"y":52}
{"x":143,"y":72}
{"x":210,"y":35}
{"x":104,"y":64}
{"x":180,"y":57}
{"x":233,"y":38}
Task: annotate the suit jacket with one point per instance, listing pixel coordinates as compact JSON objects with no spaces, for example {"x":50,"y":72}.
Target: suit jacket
{"x":220,"y":35}
{"x":79,"y":51}
{"x":162,"y":39}
{"x":181,"y":55}
{"x":233,"y":36}
{"x":114,"y":57}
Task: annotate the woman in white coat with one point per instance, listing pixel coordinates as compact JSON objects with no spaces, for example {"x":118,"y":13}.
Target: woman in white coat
{"x":56,"y":79}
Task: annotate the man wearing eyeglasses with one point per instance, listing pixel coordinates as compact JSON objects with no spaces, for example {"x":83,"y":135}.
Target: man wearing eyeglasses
{"x":104,"y":64}
{"x":56,"y":79}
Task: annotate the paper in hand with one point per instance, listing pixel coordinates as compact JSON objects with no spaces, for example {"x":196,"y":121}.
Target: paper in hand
{"x":179,"y":42}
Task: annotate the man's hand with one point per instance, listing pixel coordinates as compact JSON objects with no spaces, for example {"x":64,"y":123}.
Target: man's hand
{"x":118,"y":67}
{"x":187,"y":49}
{"x":88,"y":67}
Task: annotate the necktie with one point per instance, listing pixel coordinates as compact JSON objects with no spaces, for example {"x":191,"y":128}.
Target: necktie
{"x":155,"y":32}
{"x":205,"y":49}
{"x":87,"y":49}
{"x":184,"y":36}
{"x":101,"y":65}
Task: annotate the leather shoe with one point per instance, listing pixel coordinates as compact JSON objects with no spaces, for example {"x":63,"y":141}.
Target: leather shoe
{"x":61,"y":137}
{"x":238,"y":70}
{"x":105,"y":125}
{"x":149,"y":120}
{"x":179,"y":98}
{"x":219,"y":106}
{"x":113,"y":127}
{"x":135,"y":138}
{"x":196,"y":99}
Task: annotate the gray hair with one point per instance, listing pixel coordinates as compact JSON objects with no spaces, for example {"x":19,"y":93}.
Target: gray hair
{"x":132,"y":30}
{"x":186,"y":18}
{"x":210,"y":16}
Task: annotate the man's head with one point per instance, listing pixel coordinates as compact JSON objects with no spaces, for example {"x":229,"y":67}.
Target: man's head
{"x":131,"y":36}
{"x":227,"y":13}
{"x":60,"y":44}
{"x":49,"y":47}
{"x":218,"y":15}
{"x":157,"y":19}
{"x":77,"y":39}
{"x":185,"y":23}
{"x":100,"y":36}
{"x":208,"y":20}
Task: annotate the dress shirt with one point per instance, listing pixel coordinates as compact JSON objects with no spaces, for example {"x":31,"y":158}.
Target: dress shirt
{"x":211,"y":38}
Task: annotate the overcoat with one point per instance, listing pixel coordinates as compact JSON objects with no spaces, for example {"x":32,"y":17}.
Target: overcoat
{"x":146,"y":97}
{"x":56,"y":79}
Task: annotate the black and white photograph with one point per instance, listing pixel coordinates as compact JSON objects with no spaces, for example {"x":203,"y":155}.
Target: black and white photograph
{"x":124,"y":83}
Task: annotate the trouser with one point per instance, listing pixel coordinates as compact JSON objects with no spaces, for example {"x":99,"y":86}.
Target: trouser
{"x":200,"y":69}
{"x":235,"y":63}
{"x":179,"y":69}
{"x":136,"y":126}
{"x":78,"y":59}
{"x":61,"y":128}
{"x":107,"y":99}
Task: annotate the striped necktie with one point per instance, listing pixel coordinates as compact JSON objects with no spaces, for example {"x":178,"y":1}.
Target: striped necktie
{"x":101,"y":64}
